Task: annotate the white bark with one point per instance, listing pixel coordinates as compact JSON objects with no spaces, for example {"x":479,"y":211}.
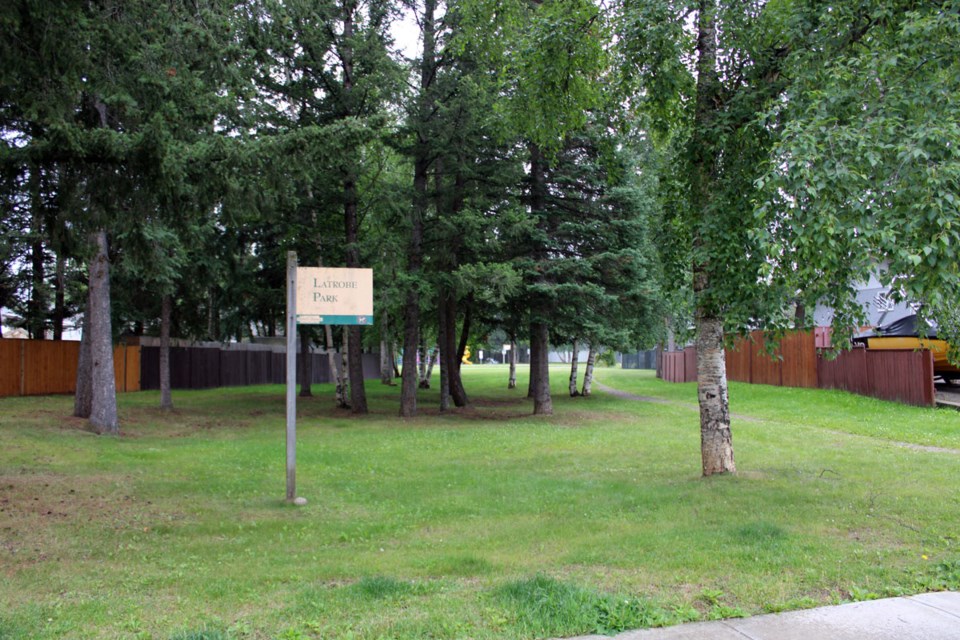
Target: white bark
{"x":588,"y":374}
{"x":574,"y":365}
{"x":716,"y":438}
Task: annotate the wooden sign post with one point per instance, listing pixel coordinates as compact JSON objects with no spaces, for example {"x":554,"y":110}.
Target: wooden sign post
{"x":318,"y":295}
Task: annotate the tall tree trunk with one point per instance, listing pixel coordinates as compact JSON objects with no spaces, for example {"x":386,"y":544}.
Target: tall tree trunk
{"x":542,"y":402}
{"x":539,"y":388}
{"x":408,"y":373}
{"x":306,"y":362}
{"x":166,"y":396}
{"x":716,"y":438}
{"x":37,"y":304}
{"x":386,"y":349}
{"x":103,"y":409}
{"x":358,"y":395}
{"x":531,"y":366}
{"x":83,"y":398}
{"x":512,"y":381}
{"x":588,"y":374}
{"x":421,"y":169}
{"x":445,"y":351}
{"x":59,"y":302}
{"x":213,"y":332}
{"x":574,"y":363}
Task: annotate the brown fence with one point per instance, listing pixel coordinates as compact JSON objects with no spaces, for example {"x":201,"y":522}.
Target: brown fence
{"x":902,"y":375}
{"x":208,"y":367}
{"x":792,"y":364}
{"x":899,"y":375}
{"x":680,"y":366}
{"x":41,"y":367}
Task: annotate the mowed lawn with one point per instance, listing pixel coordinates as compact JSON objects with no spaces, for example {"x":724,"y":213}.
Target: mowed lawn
{"x":478,"y":523}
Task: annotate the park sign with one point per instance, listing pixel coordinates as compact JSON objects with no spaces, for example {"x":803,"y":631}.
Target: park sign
{"x":334,"y":296}
{"x":318,"y":295}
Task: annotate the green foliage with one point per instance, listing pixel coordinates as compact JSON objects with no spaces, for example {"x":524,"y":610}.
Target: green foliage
{"x":866,"y":175}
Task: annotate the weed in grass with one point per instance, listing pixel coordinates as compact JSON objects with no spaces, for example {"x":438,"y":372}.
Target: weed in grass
{"x":545,"y":606}
{"x":860,"y":594}
{"x":790,"y":605}
{"x":465,"y":566}
{"x":711,"y":596}
{"x":201,"y":634}
{"x":382,"y":587}
{"x":945,"y":576}
{"x":723,"y":612}
{"x":9,"y":631}
{"x":761,"y":534}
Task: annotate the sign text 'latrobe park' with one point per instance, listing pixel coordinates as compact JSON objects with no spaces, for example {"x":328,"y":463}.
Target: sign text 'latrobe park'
{"x":328,"y":295}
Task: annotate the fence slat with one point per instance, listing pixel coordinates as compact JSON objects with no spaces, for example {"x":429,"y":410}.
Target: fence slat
{"x":10,"y":367}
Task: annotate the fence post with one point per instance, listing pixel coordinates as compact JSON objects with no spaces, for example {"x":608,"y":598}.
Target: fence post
{"x":291,"y":376}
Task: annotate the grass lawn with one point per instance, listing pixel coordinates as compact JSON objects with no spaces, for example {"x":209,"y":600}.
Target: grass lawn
{"x":478,"y":523}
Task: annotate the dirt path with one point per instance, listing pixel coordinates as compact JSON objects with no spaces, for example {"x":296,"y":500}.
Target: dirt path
{"x":626,"y":395}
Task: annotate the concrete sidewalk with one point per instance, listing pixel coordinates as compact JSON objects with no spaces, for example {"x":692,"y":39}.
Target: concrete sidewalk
{"x":929,"y":616}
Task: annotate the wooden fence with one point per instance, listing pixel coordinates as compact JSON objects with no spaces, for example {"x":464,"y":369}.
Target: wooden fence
{"x":680,"y":366}
{"x":792,"y":364}
{"x":899,"y":375}
{"x":41,"y":367}
{"x":207,"y":367}
{"x":902,"y":375}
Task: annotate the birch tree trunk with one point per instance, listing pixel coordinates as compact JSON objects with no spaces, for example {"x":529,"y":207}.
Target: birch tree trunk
{"x":166,"y":395}
{"x":432,"y":360}
{"x":422,"y":358}
{"x":83,"y":398}
{"x":512,"y":381}
{"x":103,"y":408}
{"x":716,"y":438}
{"x":574,"y":364}
{"x":336,"y":370}
{"x":588,"y":374}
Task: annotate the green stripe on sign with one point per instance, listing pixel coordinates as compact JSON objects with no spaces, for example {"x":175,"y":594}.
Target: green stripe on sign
{"x":314,"y":319}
